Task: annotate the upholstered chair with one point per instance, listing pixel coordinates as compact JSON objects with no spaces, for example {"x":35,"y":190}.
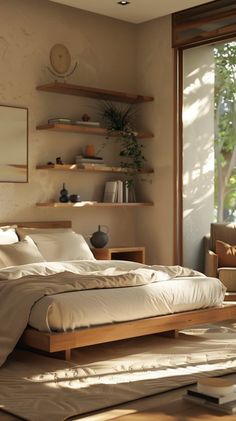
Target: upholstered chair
{"x":220,"y":255}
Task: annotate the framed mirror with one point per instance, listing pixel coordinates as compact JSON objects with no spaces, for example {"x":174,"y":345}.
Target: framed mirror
{"x":13,"y":144}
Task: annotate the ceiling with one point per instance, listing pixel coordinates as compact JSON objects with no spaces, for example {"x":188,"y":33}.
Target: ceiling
{"x":136,"y":12}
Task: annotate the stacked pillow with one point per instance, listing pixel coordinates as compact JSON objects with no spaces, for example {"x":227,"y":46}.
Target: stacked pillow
{"x":41,"y":244}
{"x":14,"y":252}
{"x":8,"y":234}
{"x":58,"y":244}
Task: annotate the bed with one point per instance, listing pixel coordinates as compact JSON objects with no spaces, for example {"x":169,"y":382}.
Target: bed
{"x":69,"y":300}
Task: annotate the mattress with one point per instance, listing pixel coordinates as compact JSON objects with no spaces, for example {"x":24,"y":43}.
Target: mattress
{"x":78,"y":309}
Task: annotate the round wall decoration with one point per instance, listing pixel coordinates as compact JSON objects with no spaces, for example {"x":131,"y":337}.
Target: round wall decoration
{"x":60,"y":58}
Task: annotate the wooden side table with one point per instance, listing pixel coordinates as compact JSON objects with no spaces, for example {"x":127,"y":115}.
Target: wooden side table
{"x":134,"y":254}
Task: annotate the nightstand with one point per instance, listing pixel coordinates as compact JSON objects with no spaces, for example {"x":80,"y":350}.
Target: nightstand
{"x":134,"y":254}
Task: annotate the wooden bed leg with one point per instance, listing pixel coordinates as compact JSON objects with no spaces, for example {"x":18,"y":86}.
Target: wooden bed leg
{"x":170,"y":334}
{"x":68,"y":354}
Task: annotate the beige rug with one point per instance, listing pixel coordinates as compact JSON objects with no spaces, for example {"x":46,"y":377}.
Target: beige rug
{"x":39,"y":388}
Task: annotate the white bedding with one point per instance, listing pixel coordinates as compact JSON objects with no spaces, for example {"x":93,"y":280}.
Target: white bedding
{"x":171,"y":294}
{"x":77,"y":309}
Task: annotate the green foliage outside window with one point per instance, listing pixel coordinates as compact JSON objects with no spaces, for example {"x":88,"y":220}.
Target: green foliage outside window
{"x":225,"y":131}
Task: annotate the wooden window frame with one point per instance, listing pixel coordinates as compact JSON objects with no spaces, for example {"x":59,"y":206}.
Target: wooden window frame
{"x":178,"y":110}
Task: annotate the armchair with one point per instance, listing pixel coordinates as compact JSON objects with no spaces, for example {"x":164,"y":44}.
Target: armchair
{"x":220,"y":255}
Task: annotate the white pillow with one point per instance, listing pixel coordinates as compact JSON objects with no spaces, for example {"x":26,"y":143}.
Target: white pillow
{"x":60,"y":245}
{"x":21,"y":253}
{"x":8,"y":235}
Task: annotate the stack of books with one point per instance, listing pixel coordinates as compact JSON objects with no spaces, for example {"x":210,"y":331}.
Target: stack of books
{"x":86,"y":123}
{"x":214,"y":393}
{"x":118,"y":192}
{"x":88,"y":161}
{"x":59,"y":120}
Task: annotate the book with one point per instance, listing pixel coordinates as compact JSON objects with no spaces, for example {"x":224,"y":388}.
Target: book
{"x":215,"y":398}
{"x":84,"y":160}
{"x":119,"y":191}
{"x":86,"y":123}
{"x":90,"y":165}
{"x":60,"y":120}
{"x":110,"y":192}
{"x":227,"y":408}
{"x":215,"y":385}
{"x":98,"y":158}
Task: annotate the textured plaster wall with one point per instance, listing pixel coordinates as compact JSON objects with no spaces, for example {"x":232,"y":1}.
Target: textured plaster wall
{"x":111,"y":54}
{"x":155,"y":76}
{"x":104,"y":49}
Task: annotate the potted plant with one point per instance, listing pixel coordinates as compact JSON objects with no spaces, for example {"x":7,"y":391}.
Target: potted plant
{"x":120,"y":119}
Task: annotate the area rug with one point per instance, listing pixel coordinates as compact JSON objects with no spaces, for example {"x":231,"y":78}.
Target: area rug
{"x":36,"y":388}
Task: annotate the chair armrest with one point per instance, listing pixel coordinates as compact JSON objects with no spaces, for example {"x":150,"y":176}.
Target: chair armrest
{"x":211,"y":264}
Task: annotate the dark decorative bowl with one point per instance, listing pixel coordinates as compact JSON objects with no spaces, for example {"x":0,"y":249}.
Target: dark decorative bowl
{"x":74,"y":198}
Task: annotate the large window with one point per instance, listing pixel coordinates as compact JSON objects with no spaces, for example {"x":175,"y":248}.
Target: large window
{"x":225,"y":131}
{"x":205,"y":189}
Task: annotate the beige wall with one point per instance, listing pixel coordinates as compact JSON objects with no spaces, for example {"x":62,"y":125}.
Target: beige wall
{"x":113,"y":55}
{"x":155,"y":76}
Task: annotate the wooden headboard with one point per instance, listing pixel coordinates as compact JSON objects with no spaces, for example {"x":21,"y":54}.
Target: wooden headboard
{"x":40,"y":224}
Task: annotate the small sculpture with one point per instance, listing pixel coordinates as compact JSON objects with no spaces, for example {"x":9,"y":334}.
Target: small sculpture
{"x":59,"y":161}
{"x":60,"y":60}
{"x":85,"y":117}
{"x":99,"y":238}
{"x":64,"y":195}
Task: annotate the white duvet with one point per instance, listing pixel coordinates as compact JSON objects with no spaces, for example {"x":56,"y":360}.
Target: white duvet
{"x":82,"y":293}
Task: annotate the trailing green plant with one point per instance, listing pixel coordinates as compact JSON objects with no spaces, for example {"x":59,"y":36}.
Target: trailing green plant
{"x":131,"y":151}
{"x":120,"y":119}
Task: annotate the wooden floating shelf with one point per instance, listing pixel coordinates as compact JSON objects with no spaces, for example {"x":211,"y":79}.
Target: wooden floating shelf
{"x":75,"y":128}
{"x":92,"y":204}
{"x":97,"y":93}
{"x":91,"y":168}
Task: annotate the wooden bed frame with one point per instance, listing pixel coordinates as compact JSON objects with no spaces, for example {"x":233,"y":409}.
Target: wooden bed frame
{"x":55,"y":342}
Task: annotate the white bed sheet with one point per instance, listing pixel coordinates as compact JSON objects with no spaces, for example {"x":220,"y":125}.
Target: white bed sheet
{"x":71,"y":310}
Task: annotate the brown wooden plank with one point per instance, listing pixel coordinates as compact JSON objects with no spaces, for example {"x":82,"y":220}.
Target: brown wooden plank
{"x":75,"y":128}
{"x":40,"y":224}
{"x":93,"y":168}
{"x":134,"y":254}
{"x":53,"y":342}
{"x":93,"y":204}
{"x":90,"y":92}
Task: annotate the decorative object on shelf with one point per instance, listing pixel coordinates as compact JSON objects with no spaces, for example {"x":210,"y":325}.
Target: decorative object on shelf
{"x":86,"y":162}
{"x":129,"y":191}
{"x":119,"y":192}
{"x":64,"y":195}
{"x":59,"y":161}
{"x":99,"y":238}
{"x":85,"y":117}
{"x":74,"y":198}
{"x":121,"y":119}
{"x":89,"y":151}
{"x":60,"y":60}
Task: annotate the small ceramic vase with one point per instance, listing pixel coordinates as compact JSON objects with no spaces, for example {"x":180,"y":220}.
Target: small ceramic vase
{"x":99,"y":238}
{"x":64,"y":195}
